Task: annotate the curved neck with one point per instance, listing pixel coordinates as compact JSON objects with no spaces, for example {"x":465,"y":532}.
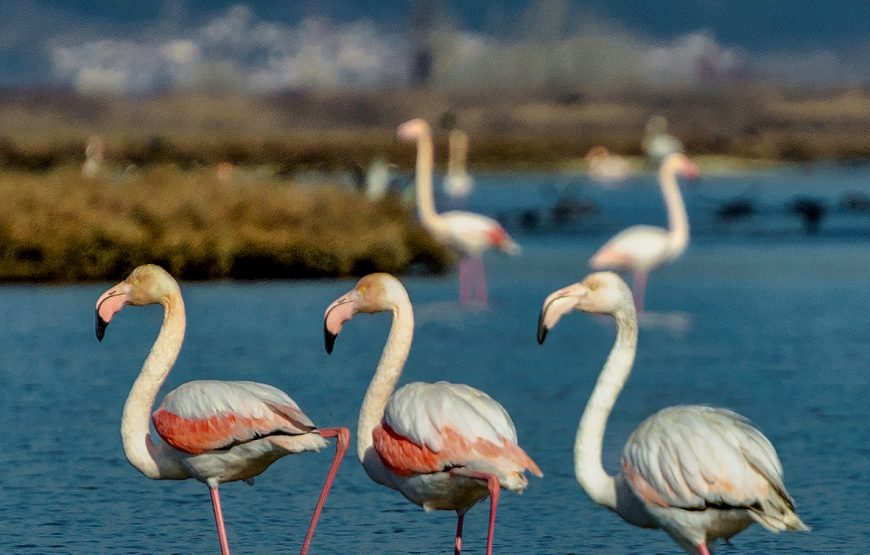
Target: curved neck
{"x":423,"y":179}
{"x":383,"y":384}
{"x":678,"y":221}
{"x":154,"y":460}
{"x":588,"y":467}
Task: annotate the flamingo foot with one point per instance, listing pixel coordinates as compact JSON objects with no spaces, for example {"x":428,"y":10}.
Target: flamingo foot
{"x":219,"y":518}
{"x":342,"y":436}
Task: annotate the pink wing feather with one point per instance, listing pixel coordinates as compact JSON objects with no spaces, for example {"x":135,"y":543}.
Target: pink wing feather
{"x":695,"y":456}
{"x":433,"y":427}
{"x":202,"y":416}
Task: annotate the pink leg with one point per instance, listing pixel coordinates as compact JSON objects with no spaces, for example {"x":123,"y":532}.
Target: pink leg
{"x":219,"y":519}
{"x":702,"y":549}
{"x":481,"y":295}
{"x":639,"y":286}
{"x":494,"y":487}
{"x":341,"y":444}
{"x":457,"y":547}
{"x":465,"y":272}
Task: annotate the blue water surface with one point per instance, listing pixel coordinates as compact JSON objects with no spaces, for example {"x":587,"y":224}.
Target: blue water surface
{"x":757,"y":316}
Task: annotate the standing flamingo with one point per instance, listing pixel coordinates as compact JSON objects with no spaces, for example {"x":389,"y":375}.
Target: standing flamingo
{"x":457,"y":183}
{"x":606,"y":167}
{"x":442,"y":445}
{"x":699,"y":473}
{"x":657,"y":143}
{"x":469,"y":234}
{"x":214,"y":431}
{"x":641,"y":248}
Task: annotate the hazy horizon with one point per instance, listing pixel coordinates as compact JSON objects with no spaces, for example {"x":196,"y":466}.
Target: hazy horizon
{"x":124,"y":47}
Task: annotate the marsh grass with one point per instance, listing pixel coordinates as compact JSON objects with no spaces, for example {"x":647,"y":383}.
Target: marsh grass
{"x":301,"y":130}
{"x":59,"y":226}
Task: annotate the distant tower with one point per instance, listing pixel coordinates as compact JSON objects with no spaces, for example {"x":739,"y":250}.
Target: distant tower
{"x":421,"y":33}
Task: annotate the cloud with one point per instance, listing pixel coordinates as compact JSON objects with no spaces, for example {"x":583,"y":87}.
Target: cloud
{"x":554,"y":49}
{"x":235,"y":50}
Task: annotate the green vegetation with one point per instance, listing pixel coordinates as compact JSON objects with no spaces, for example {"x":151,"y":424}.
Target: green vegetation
{"x":59,"y":226}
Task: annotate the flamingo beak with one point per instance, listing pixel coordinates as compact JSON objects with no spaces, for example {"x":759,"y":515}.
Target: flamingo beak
{"x":555,"y":306}
{"x":691,"y":172}
{"x":340,"y":311}
{"x":110,"y":303}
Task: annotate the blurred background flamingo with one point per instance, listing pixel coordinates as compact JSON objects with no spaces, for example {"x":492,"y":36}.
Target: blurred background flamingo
{"x":606,"y":167}
{"x":641,"y":248}
{"x":697,"y":472}
{"x":467,"y":233}
{"x":442,"y":445}
{"x":458,"y":184}
{"x":214,"y":431}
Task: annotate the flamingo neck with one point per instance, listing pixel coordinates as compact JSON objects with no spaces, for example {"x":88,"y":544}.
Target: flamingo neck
{"x":154,"y":460}
{"x":382,"y":386}
{"x":678,"y":220}
{"x":588,"y":467}
{"x":423,"y":181}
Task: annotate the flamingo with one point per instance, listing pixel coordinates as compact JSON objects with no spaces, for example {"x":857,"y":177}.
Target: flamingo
{"x":94,"y":157}
{"x":697,"y":472}
{"x":457,"y":183}
{"x":442,"y":445}
{"x":467,"y":233}
{"x":641,"y":248}
{"x":214,"y":431}
{"x":657,"y":143}
{"x":606,"y":167}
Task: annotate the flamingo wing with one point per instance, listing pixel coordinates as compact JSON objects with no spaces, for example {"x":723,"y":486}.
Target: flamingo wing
{"x":435,"y":427}
{"x":636,"y":246}
{"x":697,"y":457}
{"x":206,"y":415}
{"x":472,"y":233}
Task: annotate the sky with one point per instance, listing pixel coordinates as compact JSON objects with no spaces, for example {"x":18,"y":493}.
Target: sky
{"x":134,"y":47}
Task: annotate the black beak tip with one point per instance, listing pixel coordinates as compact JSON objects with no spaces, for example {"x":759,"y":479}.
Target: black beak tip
{"x":101,"y":328}
{"x":542,"y":329}
{"x":328,"y":340}
{"x":542,"y":334}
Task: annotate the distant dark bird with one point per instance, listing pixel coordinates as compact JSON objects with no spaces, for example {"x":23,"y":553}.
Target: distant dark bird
{"x":811,"y":210}
{"x":569,"y":209}
{"x":855,"y":201}
{"x":736,"y":209}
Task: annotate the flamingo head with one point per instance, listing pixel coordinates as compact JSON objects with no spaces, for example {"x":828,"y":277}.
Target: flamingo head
{"x":373,"y":293}
{"x":680,"y":164}
{"x":147,"y":284}
{"x":413,"y":129}
{"x":598,"y":293}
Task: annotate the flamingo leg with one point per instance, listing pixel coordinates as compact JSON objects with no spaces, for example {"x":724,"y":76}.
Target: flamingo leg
{"x":638,"y":287}
{"x":494,"y":487}
{"x":342,"y":436}
{"x":702,"y":549}
{"x":219,"y":518}
{"x":465,"y":273}
{"x":457,"y":548}
{"x":480,"y":288}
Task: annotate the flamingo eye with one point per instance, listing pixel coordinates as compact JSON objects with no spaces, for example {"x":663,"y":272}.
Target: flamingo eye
{"x":593,"y":286}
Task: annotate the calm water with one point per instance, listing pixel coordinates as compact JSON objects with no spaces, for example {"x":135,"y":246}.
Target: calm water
{"x":756,"y":316}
